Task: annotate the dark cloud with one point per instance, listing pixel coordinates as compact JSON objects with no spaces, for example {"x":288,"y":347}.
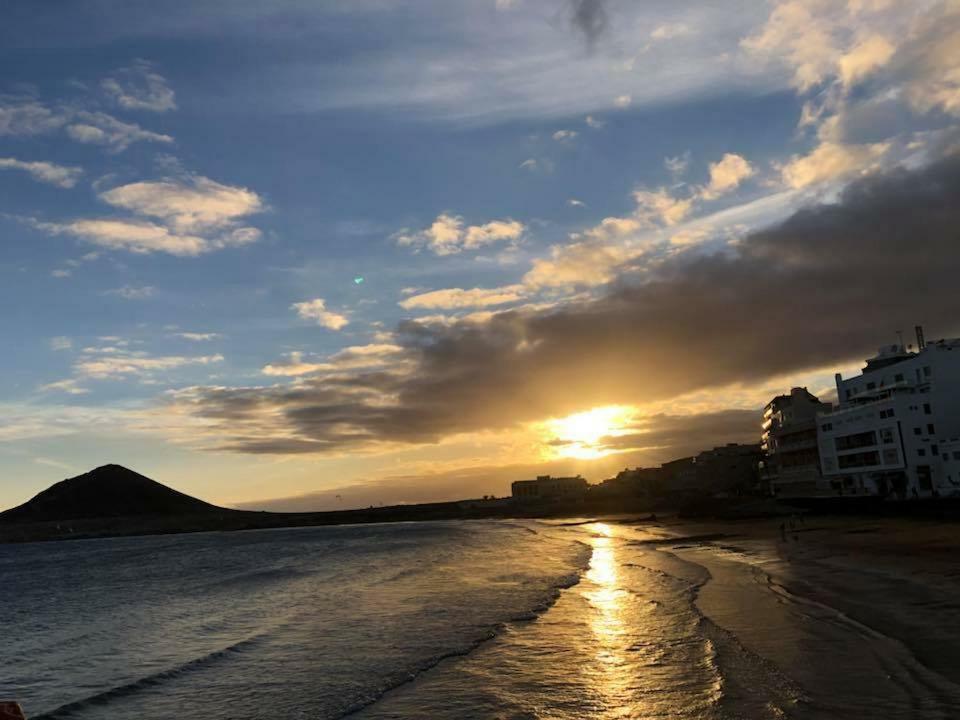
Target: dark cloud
{"x":590,"y":18}
{"x":827,"y":286}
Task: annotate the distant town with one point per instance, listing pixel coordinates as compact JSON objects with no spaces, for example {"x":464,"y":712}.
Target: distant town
{"x":894,"y":435}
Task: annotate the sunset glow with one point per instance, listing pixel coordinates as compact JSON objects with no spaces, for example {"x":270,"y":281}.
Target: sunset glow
{"x":584,"y":435}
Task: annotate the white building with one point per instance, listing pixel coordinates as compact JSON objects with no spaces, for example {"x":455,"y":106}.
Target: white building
{"x":891,"y":434}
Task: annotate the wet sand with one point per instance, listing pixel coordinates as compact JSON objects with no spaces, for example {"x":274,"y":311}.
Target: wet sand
{"x":861,"y":614}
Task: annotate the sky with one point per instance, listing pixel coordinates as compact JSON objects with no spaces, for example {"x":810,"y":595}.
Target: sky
{"x":302,"y":255}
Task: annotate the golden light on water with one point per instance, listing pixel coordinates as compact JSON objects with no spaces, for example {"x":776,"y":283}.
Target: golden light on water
{"x":582,"y":435}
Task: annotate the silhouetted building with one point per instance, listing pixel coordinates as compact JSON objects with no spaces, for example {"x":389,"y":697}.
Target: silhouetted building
{"x":546,"y":487}
{"x":790,"y":466}
{"x":730,"y":469}
{"x":894,"y":431}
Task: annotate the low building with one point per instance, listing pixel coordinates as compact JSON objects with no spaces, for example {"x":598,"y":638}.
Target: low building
{"x":790,"y":463}
{"x":891,"y":434}
{"x":546,"y":487}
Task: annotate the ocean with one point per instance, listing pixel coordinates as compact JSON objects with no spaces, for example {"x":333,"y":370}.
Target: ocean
{"x":486,"y":619}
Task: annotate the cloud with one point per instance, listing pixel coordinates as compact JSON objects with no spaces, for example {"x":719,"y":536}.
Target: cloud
{"x":132,"y":293}
{"x":198,"y":216}
{"x":26,"y":116}
{"x":316,"y":310}
{"x":198,"y":337}
{"x":457,"y":298}
{"x":594,"y":123}
{"x":564,"y":136}
{"x":573,"y":202}
{"x":830,"y":162}
{"x":60,"y":343}
{"x":822,"y":288}
{"x":870,"y":54}
{"x":69,"y":386}
{"x":357,"y":356}
{"x":47,"y":172}
{"x":622,"y":101}
{"x":194,"y":204}
{"x":660,"y":206}
{"x":726,"y":175}
{"x":139,"y":87}
{"x":668,"y":31}
{"x":134,"y":236}
{"x":677,"y":165}
{"x":448,"y":235}
{"x":98,"y":128}
{"x":123,"y":364}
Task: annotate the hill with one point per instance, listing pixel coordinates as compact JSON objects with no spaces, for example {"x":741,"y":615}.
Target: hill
{"x":110,"y":491}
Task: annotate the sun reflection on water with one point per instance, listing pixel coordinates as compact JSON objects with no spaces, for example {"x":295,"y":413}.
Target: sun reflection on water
{"x":611,"y":679}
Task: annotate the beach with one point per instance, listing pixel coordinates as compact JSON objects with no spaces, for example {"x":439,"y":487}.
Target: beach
{"x":606,"y":618}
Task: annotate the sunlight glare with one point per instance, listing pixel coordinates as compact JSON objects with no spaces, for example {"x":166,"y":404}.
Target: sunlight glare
{"x":583,"y":435}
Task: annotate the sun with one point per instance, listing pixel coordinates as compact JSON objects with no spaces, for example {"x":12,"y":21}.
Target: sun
{"x":584,"y":435}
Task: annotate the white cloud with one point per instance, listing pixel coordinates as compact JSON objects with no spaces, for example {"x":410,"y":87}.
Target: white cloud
{"x":661,"y":207}
{"x":197,"y":337}
{"x":97,"y":128}
{"x":668,"y":31}
{"x":622,"y":101}
{"x":69,"y":386}
{"x":140,"y":87}
{"x":594,"y":123}
{"x":726,"y":175}
{"x":26,"y":116}
{"x":47,"y":172}
{"x":353,"y":357}
{"x":316,"y":310}
{"x":61,"y":273}
{"x":831,"y":161}
{"x":871,"y":53}
{"x":60,"y":343}
{"x":677,"y":165}
{"x":448,"y":235}
{"x":565,"y":135}
{"x":573,"y":202}
{"x":192,"y":205}
{"x":124,"y":364}
{"x":457,"y":298}
{"x":134,"y":236}
{"x":132,"y":293}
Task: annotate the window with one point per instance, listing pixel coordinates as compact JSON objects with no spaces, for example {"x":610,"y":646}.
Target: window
{"x":886,"y":436}
{"x":898,"y":377}
{"x":934,"y":450}
{"x":956,"y":454}
{"x":848,"y":394}
{"x":871,"y":386}
{"x":850,"y":442}
{"x":861,"y":459}
{"x":927,"y":410}
{"x":891,"y":457}
{"x":917,"y":431}
{"x":921,"y":452}
{"x":927,"y":372}
{"x":827,"y":427}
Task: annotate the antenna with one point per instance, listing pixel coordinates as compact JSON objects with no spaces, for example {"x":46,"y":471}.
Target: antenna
{"x":920,"y":342}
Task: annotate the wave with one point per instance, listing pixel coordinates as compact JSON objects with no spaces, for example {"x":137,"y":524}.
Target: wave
{"x":150,"y":681}
{"x":562,"y":583}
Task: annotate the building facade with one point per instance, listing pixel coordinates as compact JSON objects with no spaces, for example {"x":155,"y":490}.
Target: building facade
{"x":546,"y":487}
{"x":790,"y":466}
{"x":893,"y":432}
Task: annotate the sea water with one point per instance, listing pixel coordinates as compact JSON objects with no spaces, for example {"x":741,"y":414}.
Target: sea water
{"x":510,"y":619}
